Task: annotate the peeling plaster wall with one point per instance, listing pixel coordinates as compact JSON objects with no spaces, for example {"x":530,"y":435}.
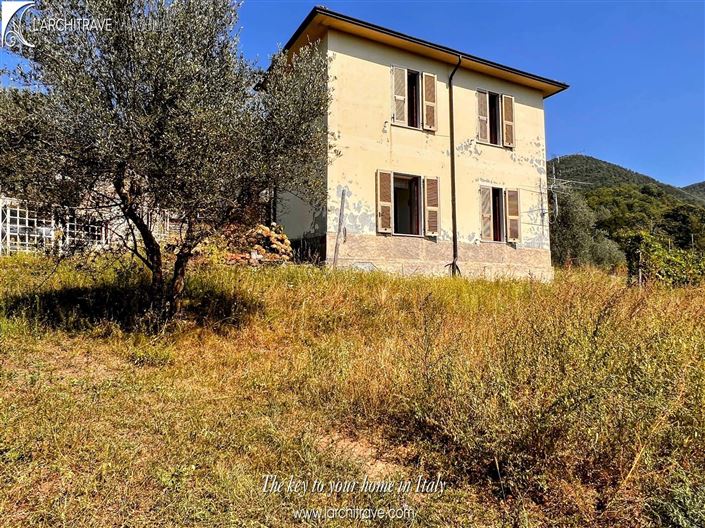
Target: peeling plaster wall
{"x":360,"y":119}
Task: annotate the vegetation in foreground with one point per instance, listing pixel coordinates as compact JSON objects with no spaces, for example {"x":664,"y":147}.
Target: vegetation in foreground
{"x":155,"y":115}
{"x":575,"y":403}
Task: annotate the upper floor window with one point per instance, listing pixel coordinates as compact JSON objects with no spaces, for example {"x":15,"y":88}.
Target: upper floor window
{"x":413,"y":107}
{"x":495,"y":118}
{"x":413,"y":98}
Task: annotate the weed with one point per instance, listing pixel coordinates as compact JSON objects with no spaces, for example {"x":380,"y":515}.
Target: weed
{"x":572,"y":403}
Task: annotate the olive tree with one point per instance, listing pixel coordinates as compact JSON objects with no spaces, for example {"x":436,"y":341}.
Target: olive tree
{"x":157,"y":110}
{"x":575,"y":240}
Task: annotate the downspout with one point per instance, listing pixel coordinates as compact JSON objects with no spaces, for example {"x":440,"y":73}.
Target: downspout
{"x":454,"y":269}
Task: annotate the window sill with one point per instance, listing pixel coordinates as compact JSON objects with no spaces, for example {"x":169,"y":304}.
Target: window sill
{"x":407,"y":235}
{"x":420,"y":129}
{"x":503,"y":242}
{"x":493,"y":145}
{"x":404,"y":235}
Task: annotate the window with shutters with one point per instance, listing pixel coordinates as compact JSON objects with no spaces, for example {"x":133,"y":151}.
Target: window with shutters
{"x":413,"y":98}
{"x":500,"y":216}
{"x":495,"y":115}
{"x":407,"y":205}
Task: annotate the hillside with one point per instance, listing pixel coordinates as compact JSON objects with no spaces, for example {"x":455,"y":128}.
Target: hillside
{"x":697,"y":189}
{"x":599,"y":173}
{"x":575,"y":403}
{"x":594,"y":215}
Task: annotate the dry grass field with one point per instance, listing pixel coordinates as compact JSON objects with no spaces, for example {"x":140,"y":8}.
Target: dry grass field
{"x":576,"y":403}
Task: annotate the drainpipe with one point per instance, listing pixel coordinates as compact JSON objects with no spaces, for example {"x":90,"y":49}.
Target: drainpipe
{"x":454,"y":269}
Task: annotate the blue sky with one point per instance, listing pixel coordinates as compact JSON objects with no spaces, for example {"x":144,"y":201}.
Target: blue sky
{"x":636,"y":69}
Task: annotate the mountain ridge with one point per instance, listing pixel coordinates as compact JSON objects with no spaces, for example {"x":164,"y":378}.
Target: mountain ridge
{"x":600,"y":173}
{"x":696,"y":188}
{"x":601,"y":202}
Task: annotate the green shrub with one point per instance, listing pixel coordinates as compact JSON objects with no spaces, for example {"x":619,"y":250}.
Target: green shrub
{"x":648,"y":259}
{"x":681,"y":505}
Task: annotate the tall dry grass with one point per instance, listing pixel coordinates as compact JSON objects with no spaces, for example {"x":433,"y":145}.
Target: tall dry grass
{"x":580,"y":402}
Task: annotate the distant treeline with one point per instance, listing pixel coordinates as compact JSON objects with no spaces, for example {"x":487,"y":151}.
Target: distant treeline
{"x":596,"y":206}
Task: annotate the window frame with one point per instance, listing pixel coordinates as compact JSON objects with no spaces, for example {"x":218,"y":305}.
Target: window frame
{"x":420,"y":204}
{"x":418,"y":105}
{"x":504,"y":219}
{"x":420,"y":101}
{"x":497,"y":120}
{"x":500,"y":120}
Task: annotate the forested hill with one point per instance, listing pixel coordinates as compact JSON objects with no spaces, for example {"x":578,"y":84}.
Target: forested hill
{"x":599,"y":173}
{"x":697,"y":189}
{"x":598,"y":202}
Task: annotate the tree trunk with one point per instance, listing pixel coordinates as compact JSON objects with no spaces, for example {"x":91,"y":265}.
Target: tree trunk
{"x":154,"y":263}
{"x":156,"y":288}
{"x":153,"y":257}
{"x":178,"y":282}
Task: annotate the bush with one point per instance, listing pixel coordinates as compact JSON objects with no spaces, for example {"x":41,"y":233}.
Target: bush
{"x":575,"y":239}
{"x":606,"y":253}
{"x":649,"y":260}
{"x":681,"y":505}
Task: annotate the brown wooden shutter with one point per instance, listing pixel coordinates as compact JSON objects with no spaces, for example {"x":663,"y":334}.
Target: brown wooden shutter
{"x":513,"y":216}
{"x":483,"y":112}
{"x":399,"y":95}
{"x":385,"y":204}
{"x":429,"y":102}
{"x":486,"y":213}
{"x":508,"y":120}
{"x":432,"y":199}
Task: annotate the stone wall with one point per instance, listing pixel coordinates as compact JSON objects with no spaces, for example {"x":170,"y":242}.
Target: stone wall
{"x":410,"y":255}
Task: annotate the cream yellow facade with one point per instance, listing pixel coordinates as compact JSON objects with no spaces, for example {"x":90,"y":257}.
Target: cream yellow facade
{"x":360,"y":120}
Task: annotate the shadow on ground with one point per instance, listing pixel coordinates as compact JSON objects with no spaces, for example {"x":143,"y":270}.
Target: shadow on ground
{"x":128,"y":306}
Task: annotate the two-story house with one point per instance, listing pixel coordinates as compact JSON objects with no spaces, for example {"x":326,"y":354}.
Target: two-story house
{"x":442,"y":164}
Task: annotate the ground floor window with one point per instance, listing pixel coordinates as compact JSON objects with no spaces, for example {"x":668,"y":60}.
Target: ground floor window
{"x":500,"y":214}
{"x":407,"y":205}
{"x":497,"y":215}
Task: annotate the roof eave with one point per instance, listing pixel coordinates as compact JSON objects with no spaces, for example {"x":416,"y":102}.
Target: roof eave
{"x":326,"y":18}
